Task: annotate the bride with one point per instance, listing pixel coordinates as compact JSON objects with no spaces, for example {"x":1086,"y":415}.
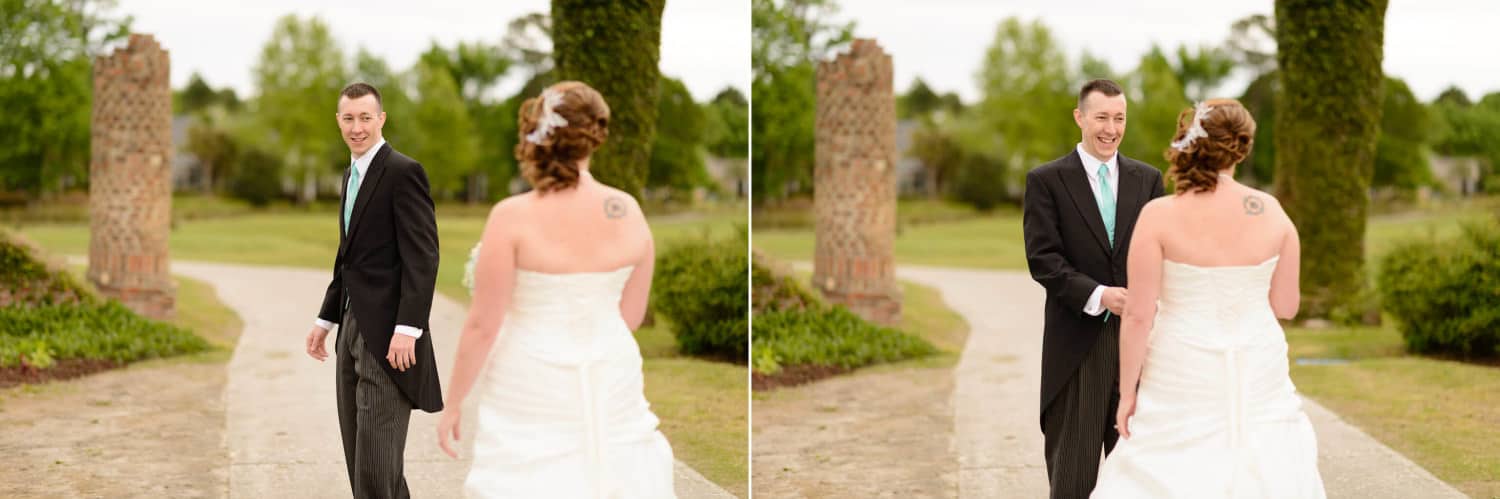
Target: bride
{"x":1211,"y":269}
{"x":560,"y":282}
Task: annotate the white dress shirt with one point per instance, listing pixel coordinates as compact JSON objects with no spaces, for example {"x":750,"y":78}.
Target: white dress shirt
{"x":362,"y":165}
{"x":1091,"y":170}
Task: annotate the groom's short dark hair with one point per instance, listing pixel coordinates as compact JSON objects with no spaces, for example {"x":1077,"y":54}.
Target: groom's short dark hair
{"x":360,"y":89}
{"x":1107,"y":87}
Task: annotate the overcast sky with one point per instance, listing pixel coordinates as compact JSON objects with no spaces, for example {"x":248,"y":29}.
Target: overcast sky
{"x":705,"y":43}
{"x":1431,"y":44}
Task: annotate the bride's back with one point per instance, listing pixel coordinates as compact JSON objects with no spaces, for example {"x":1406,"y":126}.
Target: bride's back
{"x":588,"y":228}
{"x":1233,"y":225}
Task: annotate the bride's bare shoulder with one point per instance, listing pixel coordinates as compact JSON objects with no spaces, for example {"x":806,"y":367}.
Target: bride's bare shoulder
{"x":513,"y":205}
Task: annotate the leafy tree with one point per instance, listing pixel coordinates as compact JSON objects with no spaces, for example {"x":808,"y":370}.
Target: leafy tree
{"x":614,"y":47}
{"x":1028,"y":95}
{"x":46,"y":89}
{"x":919,"y":101}
{"x":789,"y":36}
{"x":215,"y":147}
{"x":1405,"y":129}
{"x":677,"y":155}
{"x":1201,"y":69}
{"x":475,"y":68}
{"x":1155,"y":99}
{"x":729,"y":129}
{"x":447,"y":145}
{"x":299,"y":74}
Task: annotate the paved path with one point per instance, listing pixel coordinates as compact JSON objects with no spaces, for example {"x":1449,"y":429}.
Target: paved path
{"x":995,"y":401}
{"x":281,"y":426}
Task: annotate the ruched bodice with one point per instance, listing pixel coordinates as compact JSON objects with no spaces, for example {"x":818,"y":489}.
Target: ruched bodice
{"x":568,"y":318}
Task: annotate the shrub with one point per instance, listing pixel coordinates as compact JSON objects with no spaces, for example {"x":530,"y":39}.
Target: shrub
{"x":794,"y":327}
{"x":107,"y":331}
{"x":48,"y":315}
{"x":258,"y":178}
{"x":700,"y":288}
{"x":1445,"y":295}
{"x":26,"y":281}
{"x":980,"y":182}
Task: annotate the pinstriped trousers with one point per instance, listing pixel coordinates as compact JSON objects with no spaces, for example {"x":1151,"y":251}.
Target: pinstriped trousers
{"x":373,"y":418}
{"x":1080,"y":421}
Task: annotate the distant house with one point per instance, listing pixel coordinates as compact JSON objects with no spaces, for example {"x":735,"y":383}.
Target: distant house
{"x":1458,"y":175}
{"x":187,"y":171}
{"x":731,"y":175}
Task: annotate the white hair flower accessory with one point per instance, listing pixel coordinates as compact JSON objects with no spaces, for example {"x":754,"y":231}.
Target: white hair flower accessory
{"x":549,"y":119}
{"x":1196,"y":129}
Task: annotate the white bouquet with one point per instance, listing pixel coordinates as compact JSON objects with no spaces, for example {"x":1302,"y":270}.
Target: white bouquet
{"x":469,"y":268}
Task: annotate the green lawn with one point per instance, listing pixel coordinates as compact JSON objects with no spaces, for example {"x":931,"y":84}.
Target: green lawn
{"x":989,"y":242}
{"x":1440,"y":413}
{"x":702,"y":404}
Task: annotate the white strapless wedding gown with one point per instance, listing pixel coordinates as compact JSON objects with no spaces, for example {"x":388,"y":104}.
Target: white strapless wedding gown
{"x":1216,"y":413}
{"x":561,"y":410}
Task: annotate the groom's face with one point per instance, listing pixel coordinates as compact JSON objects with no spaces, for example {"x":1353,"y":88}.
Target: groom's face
{"x":1102,"y":119}
{"x":360,"y":120}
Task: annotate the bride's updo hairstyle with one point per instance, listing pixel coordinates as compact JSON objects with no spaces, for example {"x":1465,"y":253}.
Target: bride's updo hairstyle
{"x":559,"y":128}
{"x":1214,"y":135}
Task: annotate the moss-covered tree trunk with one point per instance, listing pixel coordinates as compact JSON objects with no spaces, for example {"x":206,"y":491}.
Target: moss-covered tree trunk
{"x":1327,"y":124}
{"x":613,"y":47}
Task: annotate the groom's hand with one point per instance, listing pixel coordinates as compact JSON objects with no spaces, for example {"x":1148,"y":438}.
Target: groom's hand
{"x":315,"y":343}
{"x":403,"y":352}
{"x":1114,"y":300}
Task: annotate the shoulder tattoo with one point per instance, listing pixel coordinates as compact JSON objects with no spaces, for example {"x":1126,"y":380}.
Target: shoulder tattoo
{"x":1253,"y":205}
{"x":614,"y":207}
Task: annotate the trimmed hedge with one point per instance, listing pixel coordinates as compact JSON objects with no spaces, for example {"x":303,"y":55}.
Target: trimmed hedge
{"x":700,"y":288}
{"x":794,"y":327}
{"x":1445,"y":295}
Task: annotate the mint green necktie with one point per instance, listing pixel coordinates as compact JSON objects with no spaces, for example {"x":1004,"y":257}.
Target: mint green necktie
{"x":1106,"y":209}
{"x":353,"y":190}
{"x":1107,"y":203}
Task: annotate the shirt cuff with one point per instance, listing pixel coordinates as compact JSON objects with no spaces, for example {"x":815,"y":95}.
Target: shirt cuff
{"x":409,"y":331}
{"x":327,"y":326}
{"x":1094,"y":306}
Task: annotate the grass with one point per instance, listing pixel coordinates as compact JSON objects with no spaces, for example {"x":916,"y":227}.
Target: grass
{"x":1440,"y":413}
{"x":991,"y":241}
{"x":702,"y":407}
{"x":702,"y":404}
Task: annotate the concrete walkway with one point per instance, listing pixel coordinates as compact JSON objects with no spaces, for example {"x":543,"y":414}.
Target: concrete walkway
{"x":995,"y":403}
{"x":281,"y":426}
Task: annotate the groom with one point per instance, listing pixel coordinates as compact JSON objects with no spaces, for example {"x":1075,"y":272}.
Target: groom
{"x":381,"y":294}
{"x":1077,"y":217}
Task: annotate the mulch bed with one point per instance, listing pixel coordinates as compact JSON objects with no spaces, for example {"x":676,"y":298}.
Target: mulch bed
{"x":62,"y":369}
{"x":793,"y":376}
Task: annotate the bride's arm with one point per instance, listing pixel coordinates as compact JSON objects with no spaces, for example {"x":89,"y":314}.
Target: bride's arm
{"x":1144,"y":271}
{"x":1285,"y":295}
{"x":638,"y":288}
{"x":494,"y":281}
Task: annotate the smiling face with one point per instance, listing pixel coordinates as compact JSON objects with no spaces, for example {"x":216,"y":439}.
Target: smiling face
{"x":360,"y":120}
{"x":1102,"y":120}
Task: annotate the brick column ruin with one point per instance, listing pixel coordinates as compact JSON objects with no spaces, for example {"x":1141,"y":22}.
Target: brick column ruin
{"x":854,"y":183}
{"x":130,"y":178}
